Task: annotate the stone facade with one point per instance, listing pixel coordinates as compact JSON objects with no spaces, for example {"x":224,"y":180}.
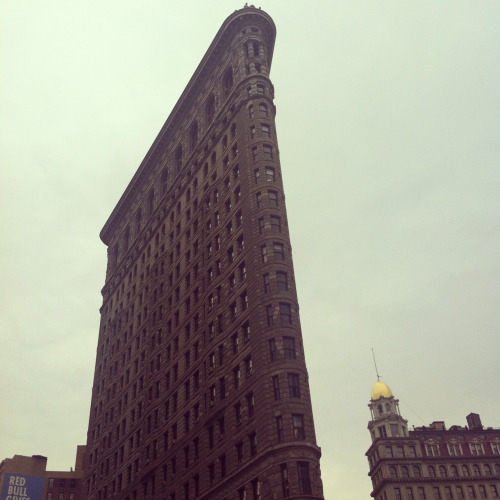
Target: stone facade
{"x":430,"y":462}
{"x":200,"y":388}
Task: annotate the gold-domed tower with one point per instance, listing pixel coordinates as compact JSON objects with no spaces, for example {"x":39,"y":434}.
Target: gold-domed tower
{"x":384,"y":407}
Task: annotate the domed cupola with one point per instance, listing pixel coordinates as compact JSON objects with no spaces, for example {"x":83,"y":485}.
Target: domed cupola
{"x":384,"y":407}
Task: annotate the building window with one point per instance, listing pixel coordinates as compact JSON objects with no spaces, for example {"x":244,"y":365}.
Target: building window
{"x":272,"y":350}
{"x":251,"y":404}
{"x":432,"y":449}
{"x":263,"y":110}
{"x":273,"y":198}
{"x":276,"y":388}
{"x":250,"y":112}
{"x":263,"y":253}
{"x":442,"y":471}
{"x":256,"y":174}
{"x":252,"y":439}
{"x":454,"y":449}
{"x":404,"y":471}
{"x":267,"y":283}
{"x":265,"y":129}
{"x":409,"y":494}
{"x":269,"y":315}
{"x":279,"y":428}
{"x":270,"y":174}
{"x":431,"y":471}
{"x":275,"y":224}
{"x":304,"y":479}
{"x":248,"y":365}
{"x":495,"y":448}
{"x":388,"y":451}
{"x":279,"y":252}
{"x":237,"y":376}
{"x":210,"y":108}
{"x":465,"y":470}
{"x":293,"y":385}
{"x":476,"y":448}
{"x":298,"y":426}
{"x":227,"y":81}
{"x":421,"y":493}
{"x":285,"y":313}
{"x":437,"y":493}
{"x":258,"y":197}
{"x":268,"y":151}
{"x":237,"y":413}
{"x":393,"y":472}
{"x":493,"y":491}
{"x":412,"y":451}
{"x":284,"y":480}
{"x":482,"y":491}
{"x":472,"y":491}
{"x":289,"y":348}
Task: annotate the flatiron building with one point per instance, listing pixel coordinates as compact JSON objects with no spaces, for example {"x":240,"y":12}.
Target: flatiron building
{"x":200,"y":388}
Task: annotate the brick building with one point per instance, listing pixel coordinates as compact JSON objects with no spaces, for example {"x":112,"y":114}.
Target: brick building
{"x":200,"y":387}
{"x":430,"y":462}
{"x":36,"y":483}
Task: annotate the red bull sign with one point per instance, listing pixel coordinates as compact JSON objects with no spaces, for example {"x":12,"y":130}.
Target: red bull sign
{"x":19,"y":487}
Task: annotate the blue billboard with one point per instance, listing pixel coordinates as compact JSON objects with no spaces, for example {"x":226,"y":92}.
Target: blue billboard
{"x":19,"y":487}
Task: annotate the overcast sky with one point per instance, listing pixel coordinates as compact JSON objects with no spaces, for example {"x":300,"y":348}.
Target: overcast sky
{"x":388,"y":126}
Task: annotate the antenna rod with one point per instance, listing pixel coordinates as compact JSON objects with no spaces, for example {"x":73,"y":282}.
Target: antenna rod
{"x":375,"y":363}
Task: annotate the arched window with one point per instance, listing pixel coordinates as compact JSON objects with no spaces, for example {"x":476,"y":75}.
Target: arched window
{"x":431,"y":471}
{"x":263,"y":110}
{"x":227,"y":81}
{"x":416,"y":471}
{"x":404,"y":471}
{"x":380,"y":410}
{"x":193,"y":135}
{"x":465,"y":470}
{"x":497,"y":469}
{"x":454,"y":471}
{"x":210,"y":108}
{"x":393,"y":472}
{"x":256,"y":49}
{"x":250,"y":112}
{"x":442,"y":471}
{"x":387,"y":408}
{"x":487,"y":469}
{"x":476,"y":471}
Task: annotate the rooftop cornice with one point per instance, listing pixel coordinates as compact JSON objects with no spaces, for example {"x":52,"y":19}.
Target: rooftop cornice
{"x":230,"y":26}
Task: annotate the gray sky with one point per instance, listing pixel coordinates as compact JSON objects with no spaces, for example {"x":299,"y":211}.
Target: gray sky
{"x":388,"y":126}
